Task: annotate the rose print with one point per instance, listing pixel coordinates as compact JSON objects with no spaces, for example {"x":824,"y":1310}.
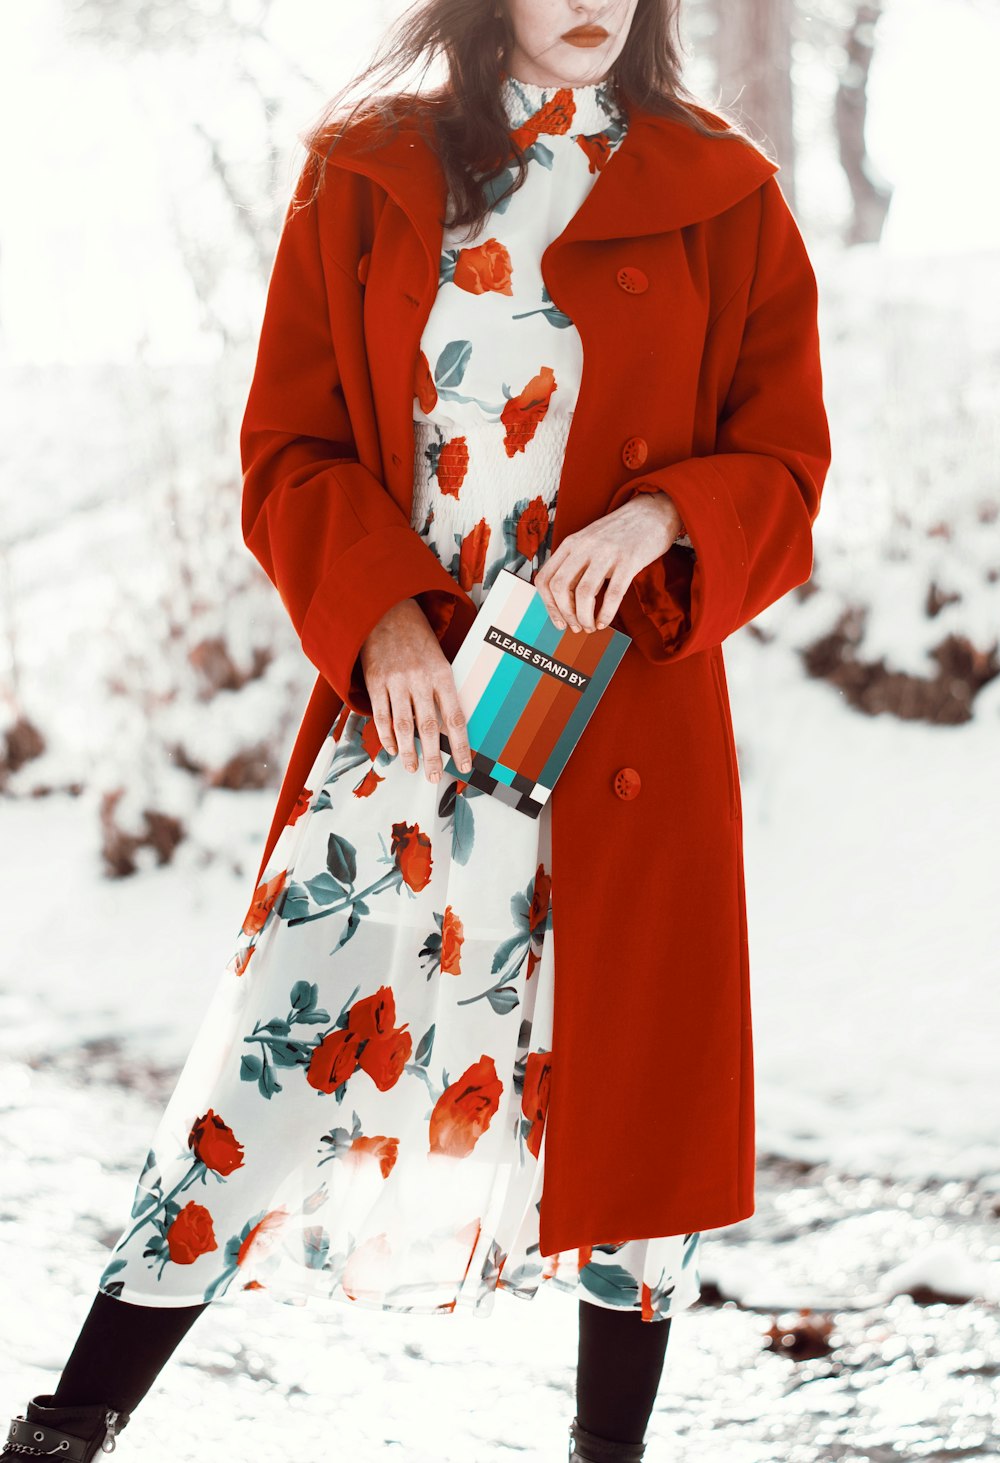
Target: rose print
{"x":333,"y":1061}
{"x":423,"y":385}
{"x":483,"y":269}
{"x":472,"y":556}
{"x":262,"y":903}
{"x":370,"y":738}
{"x":451,"y":465}
{"x":465,"y":1108}
{"x":597,"y":149}
{"x":540,"y":895}
{"x":368,"y":784}
{"x":385,"y":1060}
{"x":532,"y":528}
{"x":191,"y":1235}
{"x":452,"y":937}
{"x":364,"y":1274}
{"x":412,"y":851}
{"x":554,"y":117}
{"x":254,"y":1241}
{"x":535,"y":1099}
{"x":385,"y":1150}
{"x":301,"y":803}
{"x":523,"y":412}
{"x":215,"y":1144}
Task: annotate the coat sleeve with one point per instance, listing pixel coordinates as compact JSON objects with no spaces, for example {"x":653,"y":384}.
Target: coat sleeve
{"x":329,"y":536}
{"x":749,"y":506}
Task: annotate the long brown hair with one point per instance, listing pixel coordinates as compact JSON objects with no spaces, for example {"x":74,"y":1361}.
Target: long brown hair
{"x":464,"y":119}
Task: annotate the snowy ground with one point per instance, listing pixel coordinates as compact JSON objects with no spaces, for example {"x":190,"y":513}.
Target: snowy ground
{"x":873,"y":941}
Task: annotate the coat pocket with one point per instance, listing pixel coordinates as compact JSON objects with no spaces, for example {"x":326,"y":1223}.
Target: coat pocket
{"x":722,"y":696}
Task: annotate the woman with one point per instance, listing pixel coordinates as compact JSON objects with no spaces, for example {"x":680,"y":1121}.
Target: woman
{"x":618,"y":315}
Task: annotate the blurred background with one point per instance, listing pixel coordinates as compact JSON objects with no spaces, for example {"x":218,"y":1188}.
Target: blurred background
{"x":151,"y":686}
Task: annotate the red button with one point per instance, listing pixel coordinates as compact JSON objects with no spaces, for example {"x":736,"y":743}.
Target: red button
{"x":363,"y":264}
{"x":627,"y":782}
{"x":632,"y":280}
{"x":635,"y":452}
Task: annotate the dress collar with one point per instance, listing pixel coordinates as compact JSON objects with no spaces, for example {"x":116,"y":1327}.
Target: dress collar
{"x":566,"y":110}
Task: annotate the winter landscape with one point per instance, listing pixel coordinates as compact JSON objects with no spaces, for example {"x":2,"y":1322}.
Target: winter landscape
{"x":151,"y":690}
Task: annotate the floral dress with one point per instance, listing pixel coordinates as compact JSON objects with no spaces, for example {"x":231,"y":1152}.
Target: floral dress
{"x":361,"y":1116}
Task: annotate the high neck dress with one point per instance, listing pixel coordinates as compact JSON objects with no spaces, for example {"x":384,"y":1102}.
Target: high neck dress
{"x":361,"y":1116}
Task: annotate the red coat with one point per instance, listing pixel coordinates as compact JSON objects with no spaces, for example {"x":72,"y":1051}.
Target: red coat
{"x":688,"y":280}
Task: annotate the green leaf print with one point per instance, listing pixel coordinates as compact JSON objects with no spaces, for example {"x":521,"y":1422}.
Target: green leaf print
{"x":422,"y":1055}
{"x":324,"y":888}
{"x":304,"y":995}
{"x":611,"y":1282}
{"x":502,"y":999}
{"x":316,"y":1246}
{"x":451,"y":364}
{"x":250,"y":1067}
{"x":341,"y":859}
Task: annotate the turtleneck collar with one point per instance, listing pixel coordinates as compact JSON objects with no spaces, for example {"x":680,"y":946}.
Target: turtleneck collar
{"x":591,"y":108}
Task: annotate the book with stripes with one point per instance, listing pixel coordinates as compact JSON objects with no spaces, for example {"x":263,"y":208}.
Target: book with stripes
{"x":527,"y":690}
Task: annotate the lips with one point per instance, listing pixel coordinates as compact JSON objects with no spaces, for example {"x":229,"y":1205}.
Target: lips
{"x":586,"y":33}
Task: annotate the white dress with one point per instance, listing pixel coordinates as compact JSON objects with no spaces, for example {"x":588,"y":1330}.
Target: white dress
{"x":361,"y":1116}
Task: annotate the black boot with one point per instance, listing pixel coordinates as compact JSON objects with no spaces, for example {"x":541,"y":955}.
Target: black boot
{"x":77,"y":1434}
{"x":585,"y":1447}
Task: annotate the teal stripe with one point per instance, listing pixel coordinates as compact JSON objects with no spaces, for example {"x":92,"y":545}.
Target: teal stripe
{"x":502,"y":773}
{"x":545,"y":637}
{"x":573,"y":729}
{"x":510,"y":685}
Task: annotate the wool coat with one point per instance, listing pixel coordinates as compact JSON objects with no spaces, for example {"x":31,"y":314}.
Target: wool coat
{"x":687,"y":277}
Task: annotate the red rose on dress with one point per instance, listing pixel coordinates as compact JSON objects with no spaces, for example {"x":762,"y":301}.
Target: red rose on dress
{"x":465,"y":1109}
{"x":368,"y":784}
{"x":532,"y":526}
{"x":259,"y":1236}
{"x":452,"y":937}
{"x":370,"y":739}
{"x":597,"y":149}
{"x":373,"y":1015}
{"x":333,"y":1060}
{"x":452,"y":465}
{"x":484,"y":269}
{"x":412,"y":850}
{"x":540,"y":896}
{"x":648,"y":1314}
{"x":213,"y":1142}
{"x":385,"y":1058}
{"x":263,"y":901}
{"x":523,"y":412}
{"x":423,"y":385}
{"x":535,"y":1096}
{"x":472,"y":555}
{"x":301,"y":803}
{"x":583,"y":1255}
{"x":386,"y":1150}
{"x":191,"y":1234}
{"x":554,"y":118}
{"x":243,"y":959}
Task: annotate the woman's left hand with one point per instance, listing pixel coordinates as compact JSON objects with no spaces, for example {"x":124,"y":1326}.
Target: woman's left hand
{"x":612,"y":548}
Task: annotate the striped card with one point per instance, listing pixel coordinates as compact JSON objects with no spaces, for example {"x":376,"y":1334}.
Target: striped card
{"x":528,"y":690}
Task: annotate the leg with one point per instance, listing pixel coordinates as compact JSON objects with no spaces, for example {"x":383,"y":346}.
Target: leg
{"x":120,"y":1351}
{"x":619,"y":1366}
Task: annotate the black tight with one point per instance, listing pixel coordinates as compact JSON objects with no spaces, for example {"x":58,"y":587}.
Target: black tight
{"x":122,"y":1348}
{"x":619,"y":1365}
{"x":120,"y":1351}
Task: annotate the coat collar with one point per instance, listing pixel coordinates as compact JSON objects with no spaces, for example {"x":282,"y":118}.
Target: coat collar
{"x":662,"y":177}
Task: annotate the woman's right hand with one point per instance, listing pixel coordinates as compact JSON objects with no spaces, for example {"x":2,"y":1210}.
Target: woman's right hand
{"x":405,"y":669}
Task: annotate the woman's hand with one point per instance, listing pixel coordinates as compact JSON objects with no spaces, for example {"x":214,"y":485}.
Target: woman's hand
{"x":405,"y":669}
{"x":612,"y":548}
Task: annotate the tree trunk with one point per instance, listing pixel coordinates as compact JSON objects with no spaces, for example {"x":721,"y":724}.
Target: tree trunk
{"x":753,"y":52}
{"x":870,"y":194}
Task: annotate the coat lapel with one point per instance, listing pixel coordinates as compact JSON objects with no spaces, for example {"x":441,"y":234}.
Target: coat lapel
{"x":664,"y":176}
